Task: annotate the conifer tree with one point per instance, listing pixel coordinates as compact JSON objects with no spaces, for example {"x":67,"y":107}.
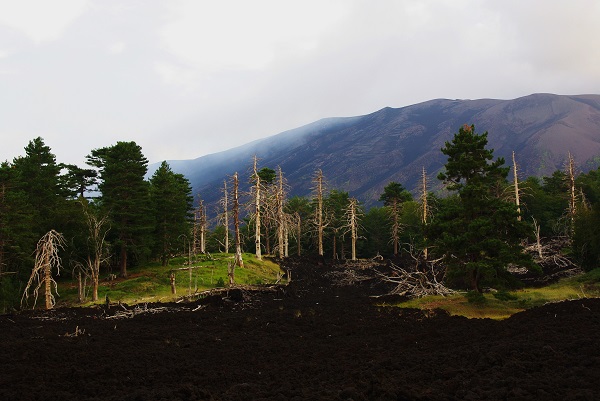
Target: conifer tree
{"x":125,"y":197}
{"x":171,"y":198}
{"x":478,"y":234}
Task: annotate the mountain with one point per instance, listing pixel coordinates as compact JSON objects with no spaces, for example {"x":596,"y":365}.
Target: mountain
{"x":363,"y":154}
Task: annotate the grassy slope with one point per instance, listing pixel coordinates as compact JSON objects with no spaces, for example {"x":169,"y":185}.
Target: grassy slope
{"x":585,"y":286}
{"x":151,"y":283}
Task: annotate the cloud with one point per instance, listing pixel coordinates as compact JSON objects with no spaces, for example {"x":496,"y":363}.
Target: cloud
{"x":246,"y":35}
{"x":41,"y":20}
{"x":117,"y":48}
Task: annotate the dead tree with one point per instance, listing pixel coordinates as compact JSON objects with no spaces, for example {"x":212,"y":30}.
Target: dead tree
{"x":352,"y":213}
{"x":418,"y":283}
{"x":256,"y":189}
{"x":199,"y":241}
{"x":572,"y":192}
{"x":236,"y":223}
{"x":424,"y":210}
{"x":46,"y":257}
{"x":516,"y":184}
{"x":536,"y":228}
{"x":298,"y":221}
{"x":319,"y":222}
{"x":282,"y":218}
{"x":97,"y":255}
{"x":225,"y":215}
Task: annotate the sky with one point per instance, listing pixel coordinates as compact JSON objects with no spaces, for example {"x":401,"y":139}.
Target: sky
{"x":186,"y":78}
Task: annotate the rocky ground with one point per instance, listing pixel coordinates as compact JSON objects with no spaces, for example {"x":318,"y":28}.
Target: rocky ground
{"x":310,"y":340}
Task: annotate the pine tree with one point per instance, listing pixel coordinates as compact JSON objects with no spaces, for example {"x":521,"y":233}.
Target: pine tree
{"x":477,"y":232}
{"x":125,"y":197}
{"x":171,"y":199}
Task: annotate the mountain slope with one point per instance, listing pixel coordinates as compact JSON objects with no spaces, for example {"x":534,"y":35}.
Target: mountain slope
{"x":362,"y":154}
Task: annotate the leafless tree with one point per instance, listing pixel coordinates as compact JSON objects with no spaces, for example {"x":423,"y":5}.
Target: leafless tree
{"x":199,"y":241}
{"x":256,"y":187}
{"x":283,"y":220}
{"x":223,"y":217}
{"x":572,"y":192}
{"x":318,"y":196}
{"x":98,"y":228}
{"x":236,"y":223}
{"x":352,"y":218}
{"x":516,"y":185}
{"x":424,"y":209}
{"x":46,"y":257}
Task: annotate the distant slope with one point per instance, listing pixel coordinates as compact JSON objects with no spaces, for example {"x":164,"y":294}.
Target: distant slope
{"x":362,"y":154}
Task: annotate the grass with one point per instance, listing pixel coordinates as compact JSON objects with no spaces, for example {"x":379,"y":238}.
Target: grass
{"x":151,"y":283}
{"x":502,"y":305}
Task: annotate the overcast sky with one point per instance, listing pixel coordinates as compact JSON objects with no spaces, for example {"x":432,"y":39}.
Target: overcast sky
{"x":185,"y":78}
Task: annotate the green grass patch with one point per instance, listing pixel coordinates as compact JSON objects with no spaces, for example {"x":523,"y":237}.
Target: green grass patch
{"x":151,"y":283}
{"x":502,"y":304}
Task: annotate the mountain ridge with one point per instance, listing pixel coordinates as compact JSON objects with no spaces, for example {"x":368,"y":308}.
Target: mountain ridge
{"x":361,"y":154}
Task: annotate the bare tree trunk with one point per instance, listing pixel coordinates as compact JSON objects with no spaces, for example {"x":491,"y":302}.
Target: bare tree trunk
{"x":46,"y":256}
{"x":298,"y":232}
{"x":48,"y":281}
{"x":286,"y":252}
{"x":572,"y":197}
{"x":226,"y":216}
{"x":395,"y":226}
{"x":281,"y":223}
{"x":425,"y":209}
{"x":79,"y":288}
{"x":172,"y":281}
{"x":231,"y":273}
{"x":536,"y":228}
{"x":318,"y":180}
{"x":516,"y":183}
{"x":236,"y":222}
{"x":256,"y":179}
{"x":202,"y":216}
{"x":353,"y":225}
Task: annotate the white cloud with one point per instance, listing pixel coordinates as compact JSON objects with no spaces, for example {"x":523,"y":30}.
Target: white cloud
{"x":117,"y":48}
{"x":40,"y":20}
{"x":234,"y":34}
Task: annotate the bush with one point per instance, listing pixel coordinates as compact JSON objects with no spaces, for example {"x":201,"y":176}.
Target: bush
{"x":476,"y":298}
{"x":505,"y":296}
{"x":220,"y":282}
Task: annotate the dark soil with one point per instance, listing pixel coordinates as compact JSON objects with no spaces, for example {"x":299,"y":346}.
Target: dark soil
{"x":310,"y":340}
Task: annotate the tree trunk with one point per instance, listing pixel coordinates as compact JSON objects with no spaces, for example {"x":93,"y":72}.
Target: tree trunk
{"x":123,"y":261}
{"x":236,"y":222}
{"x":318,"y":180}
{"x":172,"y":281}
{"x":281,"y":223}
{"x":299,"y":232}
{"x":395,"y":227}
{"x":226,"y":216}
{"x":95,"y":287}
{"x":256,"y":179}
{"x":572,"y":197}
{"x":353,"y":226}
{"x":48,"y":282}
{"x":425,"y":208}
{"x":516,"y":183}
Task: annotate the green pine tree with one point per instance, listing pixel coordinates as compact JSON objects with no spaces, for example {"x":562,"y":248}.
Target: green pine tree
{"x":125,"y":197}
{"x":476,"y":231}
{"x":171,"y":197}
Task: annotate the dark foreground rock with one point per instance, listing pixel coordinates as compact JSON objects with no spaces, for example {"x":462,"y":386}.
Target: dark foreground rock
{"x":311,"y":341}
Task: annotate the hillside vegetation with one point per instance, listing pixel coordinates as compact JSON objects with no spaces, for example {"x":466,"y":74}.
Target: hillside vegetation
{"x":151,"y":283}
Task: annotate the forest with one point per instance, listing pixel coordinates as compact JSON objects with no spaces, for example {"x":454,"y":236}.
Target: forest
{"x":102,"y":219}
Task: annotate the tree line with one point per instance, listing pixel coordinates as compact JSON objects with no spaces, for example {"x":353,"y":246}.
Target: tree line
{"x":478,"y":228}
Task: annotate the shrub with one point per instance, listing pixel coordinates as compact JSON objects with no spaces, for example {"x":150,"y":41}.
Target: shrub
{"x":475,"y":297}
